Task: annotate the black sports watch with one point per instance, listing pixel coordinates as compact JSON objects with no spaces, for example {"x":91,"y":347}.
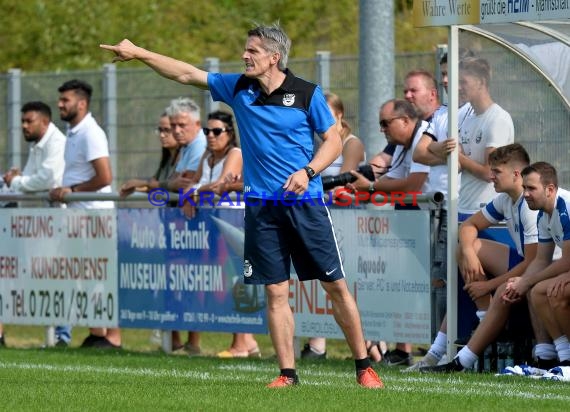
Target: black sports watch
{"x":310,"y":172}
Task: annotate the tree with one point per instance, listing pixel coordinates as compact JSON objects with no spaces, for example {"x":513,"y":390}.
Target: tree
{"x":44,"y":35}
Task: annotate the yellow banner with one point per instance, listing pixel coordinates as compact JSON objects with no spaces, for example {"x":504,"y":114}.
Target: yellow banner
{"x":445,"y":13}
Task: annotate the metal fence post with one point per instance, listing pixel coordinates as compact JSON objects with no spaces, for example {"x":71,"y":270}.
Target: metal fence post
{"x":376,"y":71}
{"x":211,"y":65}
{"x":14,"y":103}
{"x":324,"y":70}
{"x":110,"y":115}
{"x":439,"y":53}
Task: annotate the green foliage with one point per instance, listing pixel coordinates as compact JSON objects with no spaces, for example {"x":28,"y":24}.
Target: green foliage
{"x":47,"y":35}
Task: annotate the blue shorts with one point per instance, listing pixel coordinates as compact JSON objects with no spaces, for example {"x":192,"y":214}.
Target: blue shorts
{"x":276,"y":234}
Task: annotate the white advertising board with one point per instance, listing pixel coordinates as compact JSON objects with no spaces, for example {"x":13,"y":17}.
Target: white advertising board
{"x":386,"y":257}
{"x":58,"y":267}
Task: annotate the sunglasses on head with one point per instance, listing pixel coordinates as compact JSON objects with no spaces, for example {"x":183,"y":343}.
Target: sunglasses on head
{"x":216,"y":130}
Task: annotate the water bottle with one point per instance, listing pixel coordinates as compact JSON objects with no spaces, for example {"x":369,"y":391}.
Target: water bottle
{"x":502,"y":356}
{"x":487,"y":355}
{"x":510,"y":358}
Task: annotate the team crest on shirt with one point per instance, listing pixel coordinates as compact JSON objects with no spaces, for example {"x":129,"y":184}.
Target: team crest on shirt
{"x":288,"y":99}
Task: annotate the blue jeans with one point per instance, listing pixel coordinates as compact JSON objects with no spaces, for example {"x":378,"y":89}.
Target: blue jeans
{"x":63,"y":333}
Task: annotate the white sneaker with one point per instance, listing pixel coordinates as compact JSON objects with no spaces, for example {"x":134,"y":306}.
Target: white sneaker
{"x":156,"y":337}
{"x":427,"y":360}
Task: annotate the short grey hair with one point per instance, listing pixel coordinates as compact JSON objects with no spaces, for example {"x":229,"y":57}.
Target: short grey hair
{"x":183,"y":105}
{"x":274,"y":40}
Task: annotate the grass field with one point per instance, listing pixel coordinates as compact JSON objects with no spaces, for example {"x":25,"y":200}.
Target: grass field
{"x":140,"y":378}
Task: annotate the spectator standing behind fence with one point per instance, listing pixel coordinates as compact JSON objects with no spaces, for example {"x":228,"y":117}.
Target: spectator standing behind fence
{"x":401,"y":124}
{"x":87,"y":169}
{"x":169,"y":158}
{"x":480,"y":133}
{"x":351,"y":157}
{"x":222,"y":160}
{"x":277,"y":115}
{"x":170,"y":154}
{"x":541,"y":192}
{"x":44,"y":168}
{"x":489,"y":127}
{"x":186,"y":126}
{"x":420,"y":89}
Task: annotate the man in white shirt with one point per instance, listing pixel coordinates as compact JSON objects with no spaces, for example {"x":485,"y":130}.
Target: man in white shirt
{"x":489,"y":127}
{"x":402,"y":126}
{"x":87,"y":169}
{"x":44,"y":168}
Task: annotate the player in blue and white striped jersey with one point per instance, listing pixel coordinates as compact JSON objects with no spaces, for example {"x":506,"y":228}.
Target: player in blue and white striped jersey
{"x":487,"y":265}
{"x":549,"y":281}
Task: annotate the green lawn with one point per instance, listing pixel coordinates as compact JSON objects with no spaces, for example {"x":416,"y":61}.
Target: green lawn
{"x":141,"y":378}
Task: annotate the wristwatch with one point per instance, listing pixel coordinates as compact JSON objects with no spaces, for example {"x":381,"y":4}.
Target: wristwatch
{"x":310,"y":172}
{"x":371,"y":187}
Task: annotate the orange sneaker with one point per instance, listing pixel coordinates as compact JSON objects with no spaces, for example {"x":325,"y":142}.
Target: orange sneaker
{"x":283,"y":381}
{"x":369,"y":379}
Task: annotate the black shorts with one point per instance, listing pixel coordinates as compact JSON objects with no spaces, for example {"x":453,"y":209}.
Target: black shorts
{"x":276,"y":234}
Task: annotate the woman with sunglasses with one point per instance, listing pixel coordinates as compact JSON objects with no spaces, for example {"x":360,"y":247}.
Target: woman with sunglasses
{"x":220,"y":162}
{"x":222,"y":156}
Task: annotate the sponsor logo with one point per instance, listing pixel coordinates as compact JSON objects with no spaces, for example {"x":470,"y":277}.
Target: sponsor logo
{"x":247,"y":269}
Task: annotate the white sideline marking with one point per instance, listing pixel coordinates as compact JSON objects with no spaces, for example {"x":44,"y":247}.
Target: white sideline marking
{"x":106,"y":370}
{"x":398,"y":384}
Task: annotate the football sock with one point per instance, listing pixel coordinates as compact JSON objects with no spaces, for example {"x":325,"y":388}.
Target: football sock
{"x":439,"y":346}
{"x":545,"y":351}
{"x":290,"y":373}
{"x":466,"y":357}
{"x":562,"y":348}
{"x":362,"y":363}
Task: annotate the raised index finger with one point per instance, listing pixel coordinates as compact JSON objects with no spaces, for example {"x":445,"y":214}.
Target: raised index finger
{"x":108,"y":47}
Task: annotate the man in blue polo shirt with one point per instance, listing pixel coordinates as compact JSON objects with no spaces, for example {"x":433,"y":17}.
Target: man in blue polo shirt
{"x":277,"y":114}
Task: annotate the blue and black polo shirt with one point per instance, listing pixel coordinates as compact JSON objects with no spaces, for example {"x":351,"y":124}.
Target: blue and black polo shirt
{"x":276,"y":130}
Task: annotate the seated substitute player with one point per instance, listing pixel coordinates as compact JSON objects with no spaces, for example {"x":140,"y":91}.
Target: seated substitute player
{"x":541,"y":193}
{"x":478,"y":259}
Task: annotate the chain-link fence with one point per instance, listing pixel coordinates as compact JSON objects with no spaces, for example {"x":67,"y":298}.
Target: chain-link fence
{"x":541,"y":120}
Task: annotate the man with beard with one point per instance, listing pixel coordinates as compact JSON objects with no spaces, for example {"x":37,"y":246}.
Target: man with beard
{"x":87,"y":169}
{"x":44,"y":168}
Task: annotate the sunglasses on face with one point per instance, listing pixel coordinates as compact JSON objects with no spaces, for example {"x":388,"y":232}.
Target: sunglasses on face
{"x":385,"y":123}
{"x":164,"y":130}
{"x":216,"y":130}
